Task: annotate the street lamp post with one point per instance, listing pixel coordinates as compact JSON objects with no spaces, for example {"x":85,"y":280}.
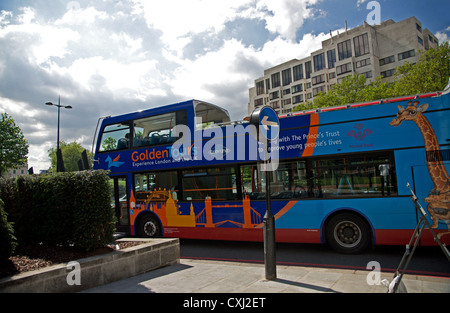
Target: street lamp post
{"x":59,"y":117}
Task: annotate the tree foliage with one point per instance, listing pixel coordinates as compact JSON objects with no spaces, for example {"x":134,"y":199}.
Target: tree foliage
{"x":13,"y":145}
{"x":431,"y":73}
{"x":60,"y":209}
{"x":7,"y":238}
{"x":71,"y":153}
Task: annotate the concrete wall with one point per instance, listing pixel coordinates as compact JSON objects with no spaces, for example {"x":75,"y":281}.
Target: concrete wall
{"x":97,"y":270}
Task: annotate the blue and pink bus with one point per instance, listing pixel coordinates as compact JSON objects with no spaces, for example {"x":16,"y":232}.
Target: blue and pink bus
{"x":341,"y":176}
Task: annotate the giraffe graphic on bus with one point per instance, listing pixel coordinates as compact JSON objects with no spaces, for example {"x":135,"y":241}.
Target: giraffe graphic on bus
{"x":439,"y":197}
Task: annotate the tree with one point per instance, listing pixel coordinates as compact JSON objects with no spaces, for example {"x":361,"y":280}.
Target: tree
{"x":13,"y":145}
{"x":350,"y":90}
{"x":109,"y":144}
{"x":71,"y":153}
{"x":430,"y":73}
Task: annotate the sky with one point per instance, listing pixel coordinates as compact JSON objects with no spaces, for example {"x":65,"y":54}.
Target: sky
{"x":110,"y":57}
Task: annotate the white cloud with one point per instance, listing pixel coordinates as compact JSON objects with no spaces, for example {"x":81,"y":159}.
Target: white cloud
{"x":279,"y":50}
{"x":359,"y":2}
{"x":79,"y":16}
{"x":5,"y":17}
{"x":191,"y":76}
{"x":442,"y":36}
{"x":179,"y":18}
{"x":100,"y":74}
{"x":27,"y":16}
{"x":17,"y":108}
{"x":286,"y":17}
{"x":42,"y":41}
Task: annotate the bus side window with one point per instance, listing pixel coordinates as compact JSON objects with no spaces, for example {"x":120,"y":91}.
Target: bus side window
{"x":115,"y":137}
{"x":154,"y":130}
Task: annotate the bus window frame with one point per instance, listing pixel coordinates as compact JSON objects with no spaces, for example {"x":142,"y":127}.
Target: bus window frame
{"x":310,"y":187}
{"x":180,"y":118}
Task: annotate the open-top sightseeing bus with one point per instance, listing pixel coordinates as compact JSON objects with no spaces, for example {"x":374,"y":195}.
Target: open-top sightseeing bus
{"x":341,"y":176}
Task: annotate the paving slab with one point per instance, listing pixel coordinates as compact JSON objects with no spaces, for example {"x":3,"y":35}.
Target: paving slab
{"x":205,"y":276}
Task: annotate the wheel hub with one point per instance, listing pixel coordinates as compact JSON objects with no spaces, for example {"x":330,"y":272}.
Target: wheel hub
{"x":348,"y":234}
{"x":149,"y":229}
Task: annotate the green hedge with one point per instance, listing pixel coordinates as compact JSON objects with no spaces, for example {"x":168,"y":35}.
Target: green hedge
{"x":61,"y":209}
{"x":7,"y":239}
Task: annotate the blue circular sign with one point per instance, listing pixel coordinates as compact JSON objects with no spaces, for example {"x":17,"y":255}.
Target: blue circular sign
{"x":269,"y":124}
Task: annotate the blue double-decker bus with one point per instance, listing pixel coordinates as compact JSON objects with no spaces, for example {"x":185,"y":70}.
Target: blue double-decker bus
{"x":186,"y":170}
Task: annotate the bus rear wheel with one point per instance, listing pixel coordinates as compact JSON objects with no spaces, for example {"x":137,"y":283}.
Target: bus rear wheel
{"x":149,"y":227}
{"x":348,"y":233}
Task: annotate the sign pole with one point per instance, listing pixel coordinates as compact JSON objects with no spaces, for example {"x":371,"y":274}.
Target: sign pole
{"x":266,"y":121}
{"x":269,"y":235}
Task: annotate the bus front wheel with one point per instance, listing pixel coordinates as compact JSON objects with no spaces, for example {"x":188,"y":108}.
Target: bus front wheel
{"x":149,"y":227}
{"x":348,"y":233}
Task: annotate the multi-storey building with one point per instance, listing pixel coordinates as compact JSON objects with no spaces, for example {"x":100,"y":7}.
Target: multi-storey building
{"x":14,"y":173}
{"x":368,"y":50}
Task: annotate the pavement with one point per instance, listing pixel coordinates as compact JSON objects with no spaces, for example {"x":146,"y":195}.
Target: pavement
{"x":206,"y":276}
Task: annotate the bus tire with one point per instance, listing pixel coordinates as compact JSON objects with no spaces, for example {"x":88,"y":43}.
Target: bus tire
{"x":149,"y":227}
{"x":348,"y":233}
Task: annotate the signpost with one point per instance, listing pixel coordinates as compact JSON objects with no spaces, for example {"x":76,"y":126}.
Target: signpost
{"x":268,"y":126}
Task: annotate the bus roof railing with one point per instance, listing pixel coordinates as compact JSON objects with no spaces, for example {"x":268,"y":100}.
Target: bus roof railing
{"x":362,"y":104}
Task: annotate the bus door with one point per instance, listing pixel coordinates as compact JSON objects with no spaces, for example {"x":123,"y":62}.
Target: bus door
{"x":119,"y":201}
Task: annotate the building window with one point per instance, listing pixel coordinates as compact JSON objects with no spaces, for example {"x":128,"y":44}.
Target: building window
{"x":286,"y":102}
{"x":345,"y":49}
{"x":387,"y":60}
{"x":345,"y":68}
{"x":260,"y":88}
{"x":274,"y":95}
{"x":308,"y":69}
{"x":297,"y":88}
{"x":297,"y":99}
{"x":387,"y":73}
{"x":362,"y":63}
{"x":431,"y":39}
{"x":318,"y":79}
{"x":276,"y":80}
{"x":287,"y":91}
{"x":318,"y":89}
{"x":367,"y":74}
{"x":258,"y":102}
{"x":420,"y":40}
{"x":419,"y":28}
{"x":298,"y":72}
{"x":287,"y":78}
{"x":332,"y":75}
{"x":331,"y":57}
{"x":319,"y":62}
{"x":361,"y":44}
{"x":406,"y":55}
